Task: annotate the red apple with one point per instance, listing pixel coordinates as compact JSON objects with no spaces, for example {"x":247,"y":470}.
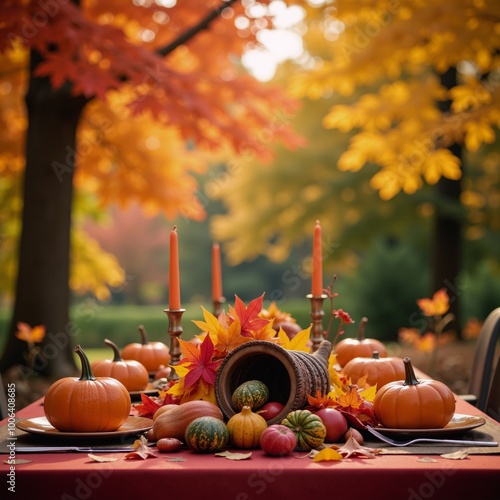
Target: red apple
{"x":270,"y":410}
{"x":335,"y":423}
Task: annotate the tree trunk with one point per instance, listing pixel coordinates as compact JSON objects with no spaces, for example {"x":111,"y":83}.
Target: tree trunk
{"x":42,"y":288}
{"x":448,"y":227}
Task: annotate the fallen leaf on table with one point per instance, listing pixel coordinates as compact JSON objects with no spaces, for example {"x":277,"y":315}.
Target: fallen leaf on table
{"x":175,"y":459}
{"x":100,"y":458}
{"x":326,"y":455}
{"x":428,"y":460}
{"x":351,"y":448}
{"x":17,"y":461}
{"x":233,"y":456}
{"x":456,"y":455}
{"x":142,"y":450}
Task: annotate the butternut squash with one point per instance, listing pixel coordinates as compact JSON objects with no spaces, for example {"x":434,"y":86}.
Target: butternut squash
{"x":172,"y":422}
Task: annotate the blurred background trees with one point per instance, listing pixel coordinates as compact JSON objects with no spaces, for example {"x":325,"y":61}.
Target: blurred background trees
{"x":399,"y":112}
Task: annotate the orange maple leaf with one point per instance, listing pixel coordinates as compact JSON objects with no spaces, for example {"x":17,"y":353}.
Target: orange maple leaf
{"x":437,"y":306}
{"x":28,"y":334}
{"x":350,"y":399}
{"x":319,"y":402}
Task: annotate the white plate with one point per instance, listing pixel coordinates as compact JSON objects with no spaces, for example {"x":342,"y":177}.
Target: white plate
{"x":40,"y":425}
{"x":458,"y":424}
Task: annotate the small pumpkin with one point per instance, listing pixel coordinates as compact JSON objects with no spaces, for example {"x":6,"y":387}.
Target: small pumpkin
{"x":413,"y":403}
{"x":174,"y":419}
{"x":206,"y":435}
{"x":307,"y":427}
{"x":132,"y":374}
{"x":252,"y":393}
{"x":378,"y":371}
{"x":245,"y":428}
{"x":348,"y":349}
{"x":87,"y":404}
{"x":151,"y":354}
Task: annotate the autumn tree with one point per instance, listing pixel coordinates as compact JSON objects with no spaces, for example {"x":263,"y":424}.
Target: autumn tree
{"x":419,"y":82}
{"x":122,"y":101}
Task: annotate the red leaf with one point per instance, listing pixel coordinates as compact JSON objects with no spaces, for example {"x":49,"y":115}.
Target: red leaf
{"x":201,"y":364}
{"x":249,"y":316}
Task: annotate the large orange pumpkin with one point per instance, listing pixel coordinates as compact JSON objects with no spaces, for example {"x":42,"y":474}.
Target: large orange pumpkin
{"x":348,"y":349}
{"x":378,"y":371}
{"x":132,"y":374}
{"x":413,"y":403}
{"x":87,"y":404}
{"x":151,"y":354}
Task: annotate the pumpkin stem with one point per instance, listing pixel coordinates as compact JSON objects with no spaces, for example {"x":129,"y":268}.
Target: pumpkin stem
{"x":410,"y":377}
{"x":375,"y":355}
{"x":86,"y":370}
{"x":144,"y":335}
{"x":116,"y":351}
{"x":361,"y":329}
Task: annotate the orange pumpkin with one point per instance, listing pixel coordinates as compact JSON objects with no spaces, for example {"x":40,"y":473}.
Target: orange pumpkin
{"x":379,"y":371}
{"x":348,"y":349}
{"x":413,"y":403}
{"x":87,"y":404}
{"x":151,"y":354}
{"x":132,"y":374}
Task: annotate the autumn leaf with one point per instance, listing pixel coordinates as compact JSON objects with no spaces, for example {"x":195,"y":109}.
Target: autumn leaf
{"x":142,"y":450}
{"x":149,"y":405}
{"x":225,"y":334}
{"x":198,"y":359}
{"x":352,"y":448}
{"x":297,"y":343}
{"x":234,"y":456}
{"x":28,"y":334}
{"x":267,"y":332}
{"x":99,"y":458}
{"x":249,"y":316}
{"x":327,"y":454}
{"x":437,"y":306}
{"x":319,"y":402}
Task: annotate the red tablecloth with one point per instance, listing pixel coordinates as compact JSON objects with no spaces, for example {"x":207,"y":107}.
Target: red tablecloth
{"x":69,"y":476}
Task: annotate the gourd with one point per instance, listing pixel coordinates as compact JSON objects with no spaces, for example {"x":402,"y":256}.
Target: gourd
{"x":132,"y":374}
{"x":151,"y":354}
{"x":87,"y":404}
{"x":348,"y":349}
{"x":307,"y":427}
{"x":206,"y":435}
{"x":378,"y":371}
{"x":278,"y":440}
{"x":173,"y":421}
{"x":413,"y":403}
{"x":245,"y":428}
{"x":252,"y":393}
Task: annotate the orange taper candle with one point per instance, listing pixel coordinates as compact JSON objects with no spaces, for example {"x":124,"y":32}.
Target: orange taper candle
{"x":174,"y":303}
{"x":317,"y":263}
{"x":216,"y":272}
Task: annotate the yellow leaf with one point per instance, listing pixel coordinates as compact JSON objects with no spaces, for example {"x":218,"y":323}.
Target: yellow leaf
{"x":298,"y":343}
{"x":327,"y":454}
{"x":369,"y":393}
{"x":352,"y":160}
{"x":478,"y":133}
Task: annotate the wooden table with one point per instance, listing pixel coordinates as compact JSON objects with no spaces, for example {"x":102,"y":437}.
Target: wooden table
{"x":69,"y":476}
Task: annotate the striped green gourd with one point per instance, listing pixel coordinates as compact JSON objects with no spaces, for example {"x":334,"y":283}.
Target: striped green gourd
{"x":206,"y":435}
{"x":252,"y":393}
{"x":307,"y":427}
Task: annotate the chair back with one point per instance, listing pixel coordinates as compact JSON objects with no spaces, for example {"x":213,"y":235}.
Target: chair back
{"x":482,"y":367}
{"x":493,"y":402}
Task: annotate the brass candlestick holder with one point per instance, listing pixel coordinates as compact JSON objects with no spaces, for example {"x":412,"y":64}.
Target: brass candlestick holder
{"x":317,"y":314}
{"x":175,"y":331}
{"x":217,"y":305}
